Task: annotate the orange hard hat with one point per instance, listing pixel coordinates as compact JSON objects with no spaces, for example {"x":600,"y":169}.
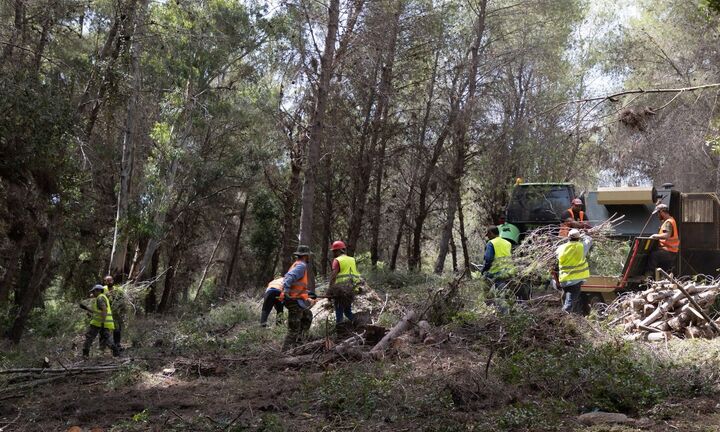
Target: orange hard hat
{"x":577,"y":201}
{"x":338,"y":245}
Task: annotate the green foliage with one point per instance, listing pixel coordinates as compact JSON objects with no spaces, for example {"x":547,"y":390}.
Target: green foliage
{"x":264,"y":239}
{"x":58,"y":318}
{"x":127,"y":376}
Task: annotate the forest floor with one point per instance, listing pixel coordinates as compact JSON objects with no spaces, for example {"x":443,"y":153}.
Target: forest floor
{"x":530,"y":368}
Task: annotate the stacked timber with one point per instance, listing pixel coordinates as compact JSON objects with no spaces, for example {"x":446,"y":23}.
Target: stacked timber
{"x":667,"y":309}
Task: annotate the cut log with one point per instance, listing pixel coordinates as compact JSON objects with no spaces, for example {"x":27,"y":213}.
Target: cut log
{"x":658,"y":337}
{"x":400,"y":328}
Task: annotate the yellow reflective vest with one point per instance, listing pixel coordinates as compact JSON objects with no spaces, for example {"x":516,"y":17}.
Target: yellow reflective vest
{"x":97,"y":319}
{"x":572,"y":262}
{"x":348,"y":273}
{"x":502,"y":263}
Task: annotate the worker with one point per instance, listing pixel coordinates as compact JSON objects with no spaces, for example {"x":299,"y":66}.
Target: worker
{"x":574,"y":217}
{"x":508,"y":231}
{"x":101,"y":322}
{"x":116,"y":295}
{"x":665,"y":256}
{"x":498,"y":265}
{"x":273,"y":298}
{"x":344,"y":281}
{"x":298,"y":299}
{"x":572,"y":270}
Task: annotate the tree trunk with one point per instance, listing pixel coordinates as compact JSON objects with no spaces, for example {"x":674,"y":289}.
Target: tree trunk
{"x":289,"y":205}
{"x":118,"y":252}
{"x":327,"y":218}
{"x":460,"y":138}
{"x":36,"y":285}
{"x":379,"y":129}
{"x":463,"y":236}
{"x":169,"y":286}
{"x":453,"y":254}
{"x":317,"y":124}
{"x":210,"y":261}
{"x":18,"y":28}
{"x":235,"y":249}
{"x":151,"y":298}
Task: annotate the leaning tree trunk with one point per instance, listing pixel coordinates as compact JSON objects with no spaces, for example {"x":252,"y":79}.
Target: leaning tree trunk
{"x":235,"y":249}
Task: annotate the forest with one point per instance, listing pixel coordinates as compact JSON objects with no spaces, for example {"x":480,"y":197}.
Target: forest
{"x":188,"y":148}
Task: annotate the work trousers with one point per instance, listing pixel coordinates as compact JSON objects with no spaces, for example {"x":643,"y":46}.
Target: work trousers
{"x":574,"y":299}
{"x":270,"y":301}
{"x":660,"y":258}
{"x":342,"y":308}
{"x":105,"y":340}
{"x":117,"y":333}
{"x":299,"y":321}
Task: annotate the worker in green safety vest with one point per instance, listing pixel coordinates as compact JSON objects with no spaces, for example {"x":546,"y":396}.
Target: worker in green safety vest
{"x":344,"y":282}
{"x":101,"y":322}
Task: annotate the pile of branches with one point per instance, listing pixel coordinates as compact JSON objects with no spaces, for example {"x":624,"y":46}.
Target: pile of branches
{"x":669,"y":308}
{"x":536,"y":254}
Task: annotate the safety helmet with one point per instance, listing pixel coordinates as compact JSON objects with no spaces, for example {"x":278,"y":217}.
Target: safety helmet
{"x":338,"y":245}
{"x":97,"y":288}
{"x":661,"y":207}
{"x":574,"y":233}
{"x":577,"y":201}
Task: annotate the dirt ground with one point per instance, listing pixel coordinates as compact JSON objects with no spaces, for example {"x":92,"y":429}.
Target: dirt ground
{"x":238,"y":382}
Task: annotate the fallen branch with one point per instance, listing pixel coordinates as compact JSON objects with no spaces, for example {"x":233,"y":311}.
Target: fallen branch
{"x":400,"y":328}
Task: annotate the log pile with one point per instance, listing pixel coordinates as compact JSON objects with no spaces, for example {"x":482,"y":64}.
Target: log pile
{"x":668,"y":309}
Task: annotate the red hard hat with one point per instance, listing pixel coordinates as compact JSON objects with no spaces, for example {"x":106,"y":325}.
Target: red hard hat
{"x":338,"y":245}
{"x":577,"y":201}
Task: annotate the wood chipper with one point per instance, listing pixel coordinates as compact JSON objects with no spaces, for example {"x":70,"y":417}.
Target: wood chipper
{"x":697,"y":215}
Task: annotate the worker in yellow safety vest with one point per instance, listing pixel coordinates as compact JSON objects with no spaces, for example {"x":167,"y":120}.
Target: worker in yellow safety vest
{"x":345,"y":282}
{"x":498,"y":265}
{"x":665,"y":256}
{"x":572,"y":270}
{"x":101,"y":322}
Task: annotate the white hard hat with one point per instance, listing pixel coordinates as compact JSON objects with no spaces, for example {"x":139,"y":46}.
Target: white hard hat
{"x":574,"y":233}
{"x":661,"y":207}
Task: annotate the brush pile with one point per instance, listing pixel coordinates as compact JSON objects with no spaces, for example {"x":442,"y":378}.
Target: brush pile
{"x":669,"y":309}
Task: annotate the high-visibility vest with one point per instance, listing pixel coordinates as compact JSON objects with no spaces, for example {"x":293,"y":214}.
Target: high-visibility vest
{"x":348,"y":273}
{"x":671,"y":244}
{"x":502,"y":264}
{"x":97,"y":319}
{"x":565,"y":228}
{"x":573,"y":265}
{"x":275,"y":284}
{"x":298,"y":290}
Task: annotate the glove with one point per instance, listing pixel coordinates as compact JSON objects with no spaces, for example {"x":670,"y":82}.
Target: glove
{"x":312,"y":295}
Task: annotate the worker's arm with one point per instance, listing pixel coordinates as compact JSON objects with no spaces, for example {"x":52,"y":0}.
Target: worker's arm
{"x":489,"y":257}
{"x":293,"y":276}
{"x":666,"y":232}
{"x":335,"y":271}
{"x":587,"y":242}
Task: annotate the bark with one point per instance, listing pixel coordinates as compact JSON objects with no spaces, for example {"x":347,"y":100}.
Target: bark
{"x":379,"y":130}
{"x":461,"y":140}
{"x":118,"y":252}
{"x":327,"y":218}
{"x":463,"y":236}
{"x":401,"y":327}
{"x":101,"y":77}
{"x":235,"y":249}
{"x":317,"y":124}
{"x":210,"y":261}
{"x":36,"y":285}
{"x":151,"y":298}
{"x":168,"y":294}
{"x":289,"y":209}
{"x":18,"y":28}
{"x":414,"y":262}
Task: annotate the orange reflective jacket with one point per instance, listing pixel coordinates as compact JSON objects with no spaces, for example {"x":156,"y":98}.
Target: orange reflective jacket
{"x":298,"y":290}
{"x":565,"y":228}
{"x":671,"y":244}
